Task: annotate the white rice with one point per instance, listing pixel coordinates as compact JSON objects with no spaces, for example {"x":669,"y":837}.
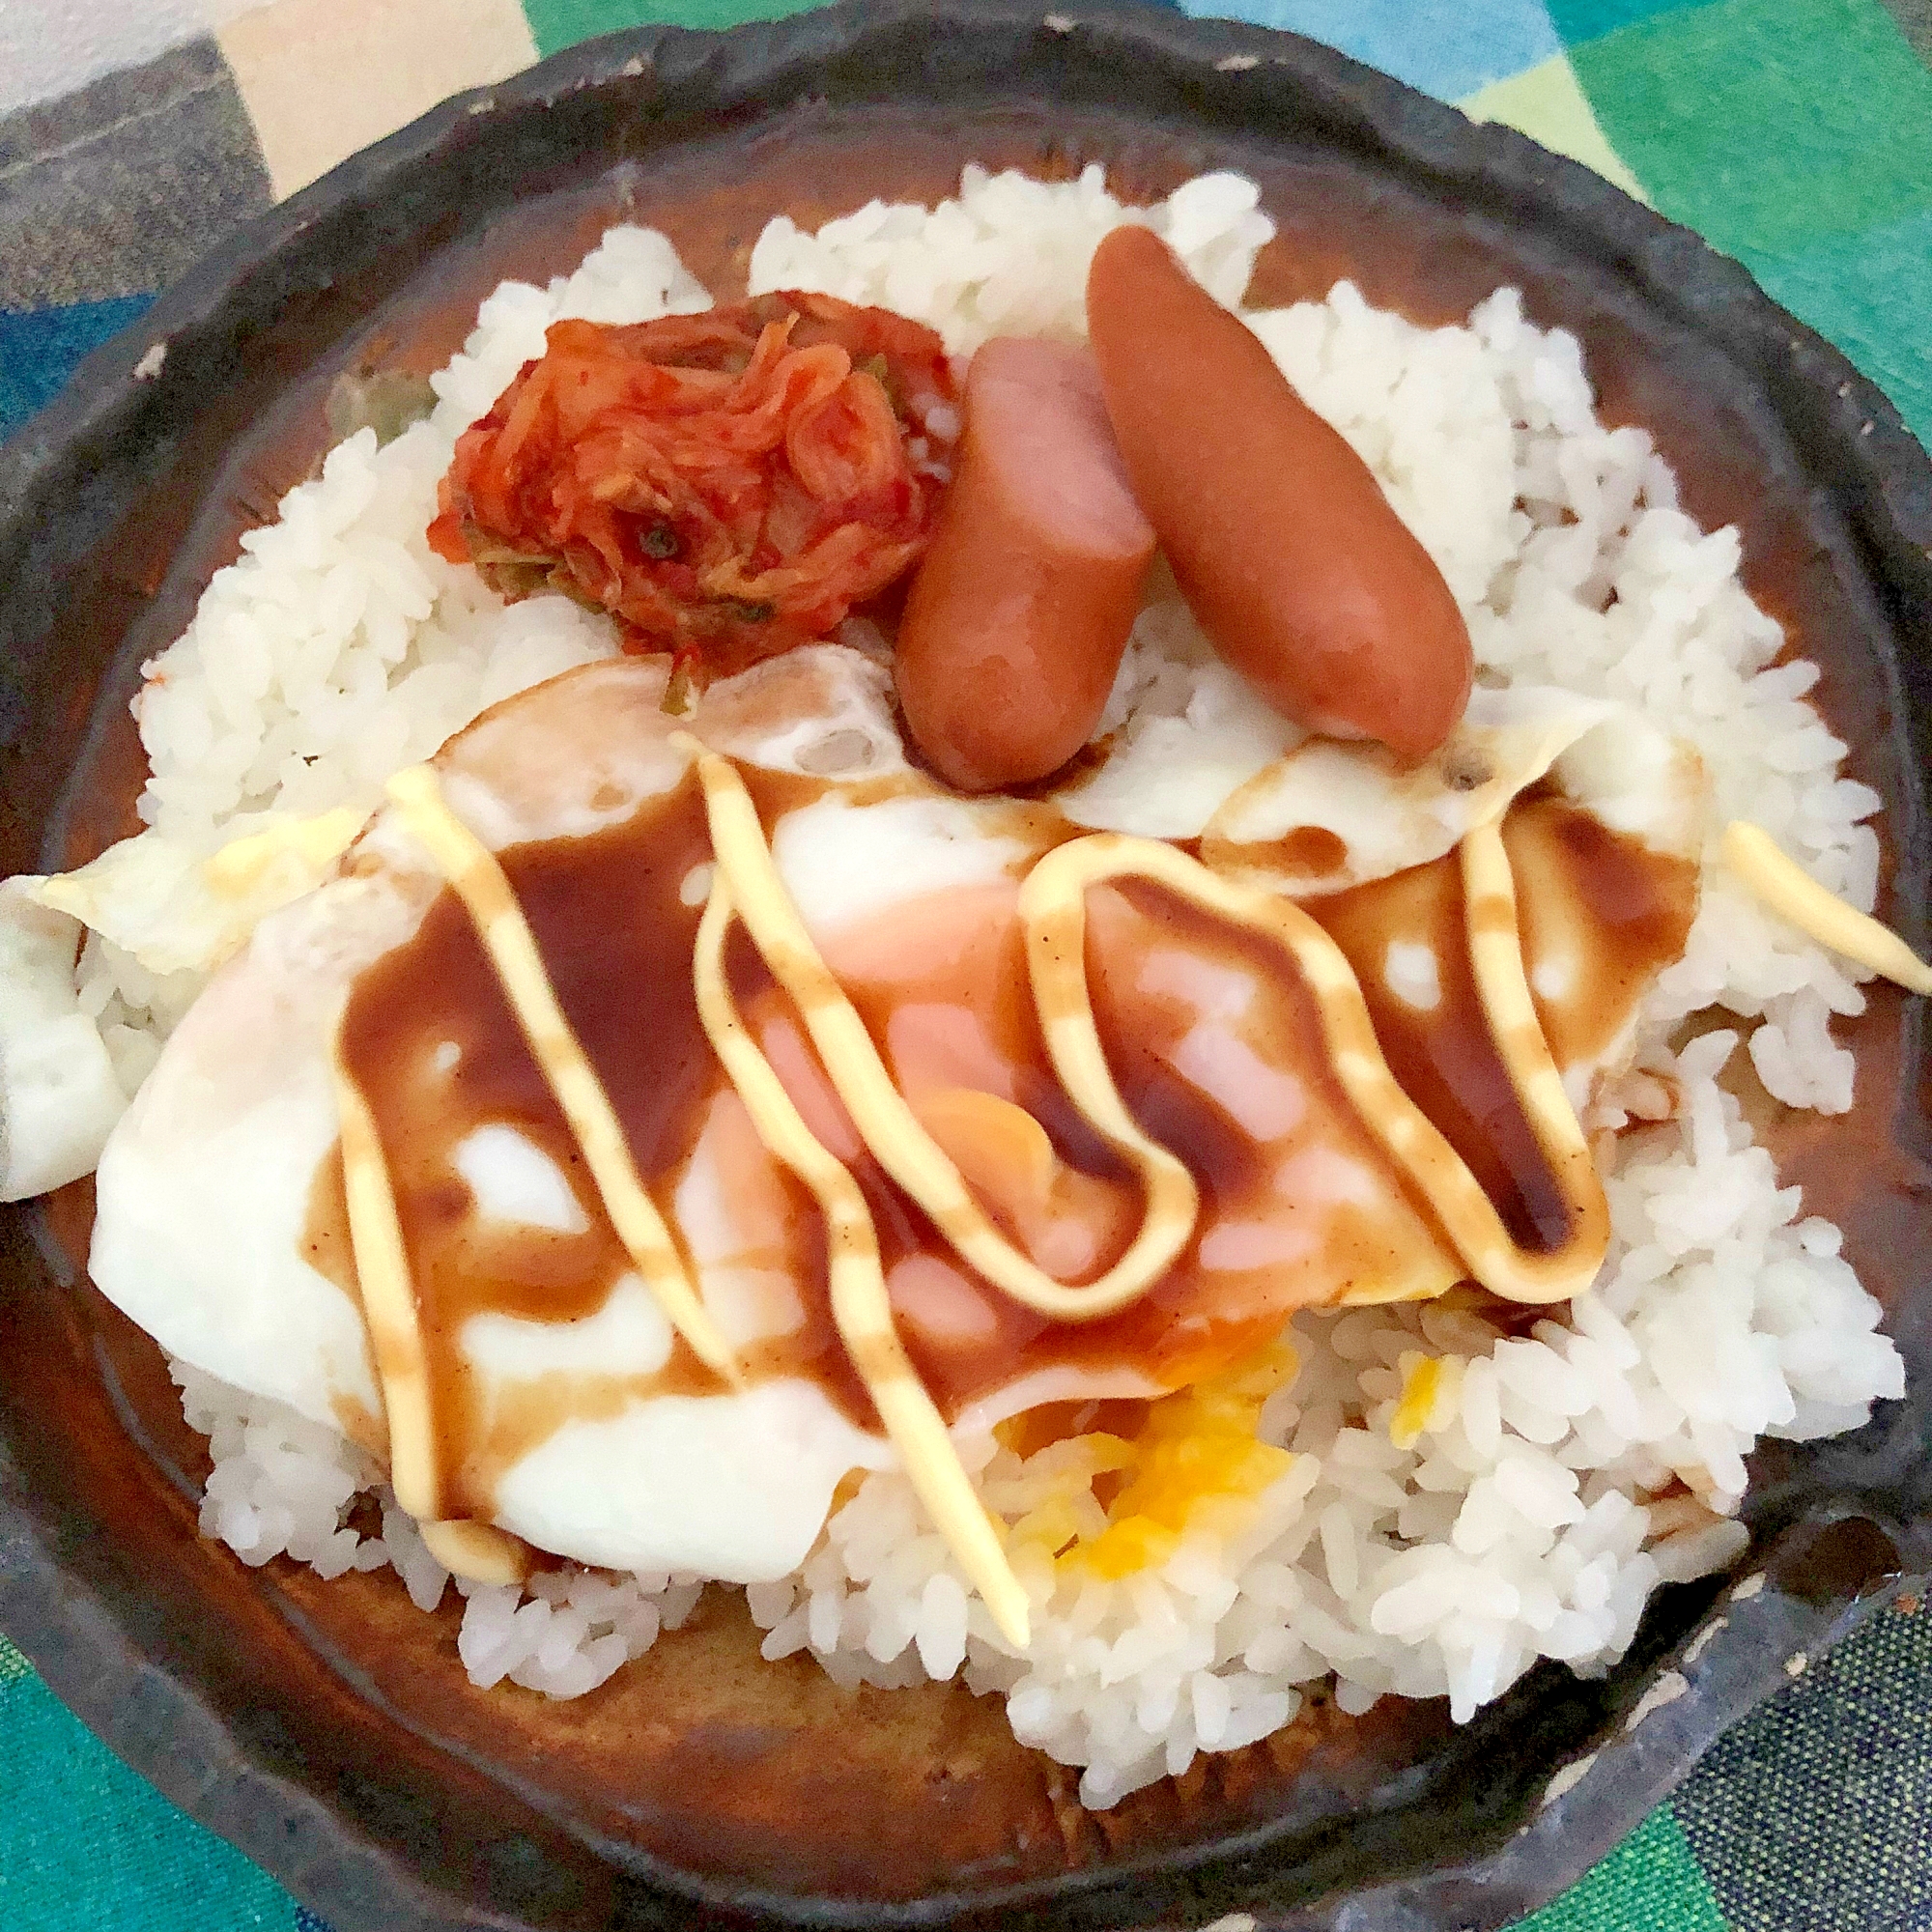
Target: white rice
{"x":1558,"y":1477}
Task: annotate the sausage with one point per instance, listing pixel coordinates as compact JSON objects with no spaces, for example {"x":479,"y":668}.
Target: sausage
{"x":1014,"y":625}
{"x":1305,"y":579}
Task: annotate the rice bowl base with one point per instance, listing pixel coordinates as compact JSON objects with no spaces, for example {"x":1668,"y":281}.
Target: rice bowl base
{"x":1013,"y":1832}
{"x":1509,"y":1524}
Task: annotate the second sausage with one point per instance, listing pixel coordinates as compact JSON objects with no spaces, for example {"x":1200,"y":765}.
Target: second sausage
{"x":1016,"y":620}
{"x":1282,"y":542}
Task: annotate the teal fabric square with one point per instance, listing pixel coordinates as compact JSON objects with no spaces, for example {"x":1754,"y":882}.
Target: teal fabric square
{"x":1869,"y":292}
{"x":1768,"y":125}
{"x":1590,"y":19}
{"x":40,"y":349}
{"x":98,"y":1848}
{"x":1446,"y":51}
{"x":1649,"y":1883}
{"x":1915,"y":22}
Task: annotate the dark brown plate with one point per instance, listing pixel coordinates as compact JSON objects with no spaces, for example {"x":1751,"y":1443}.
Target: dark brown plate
{"x":324,"y":1728}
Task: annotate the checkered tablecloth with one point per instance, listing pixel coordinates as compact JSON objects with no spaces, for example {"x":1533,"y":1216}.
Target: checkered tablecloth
{"x":1795,"y":134}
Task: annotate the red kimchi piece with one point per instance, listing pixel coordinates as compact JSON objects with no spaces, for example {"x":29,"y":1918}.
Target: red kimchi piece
{"x":728,"y":484}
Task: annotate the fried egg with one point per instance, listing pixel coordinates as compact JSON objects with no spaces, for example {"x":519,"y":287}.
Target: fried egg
{"x":585,"y":1429}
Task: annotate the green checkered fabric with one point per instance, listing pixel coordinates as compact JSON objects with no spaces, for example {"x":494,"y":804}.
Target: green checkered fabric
{"x":1795,"y":134}
{"x":1814,"y":1815}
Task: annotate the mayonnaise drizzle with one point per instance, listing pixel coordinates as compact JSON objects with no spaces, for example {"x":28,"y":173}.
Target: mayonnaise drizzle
{"x":1792,"y":893}
{"x":1503,"y":987}
{"x":860,"y":1304}
{"x":745,"y":886}
{"x":473,"y":1550}
{"x":477,"y":1551}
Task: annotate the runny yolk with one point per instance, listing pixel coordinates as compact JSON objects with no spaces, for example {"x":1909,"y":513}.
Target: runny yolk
{"x":1195,"y":1461}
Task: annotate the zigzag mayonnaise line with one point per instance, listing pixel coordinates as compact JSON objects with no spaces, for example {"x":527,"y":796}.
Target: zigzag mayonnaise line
{"x":478,"y":881}
{"x":1052,"y":907}
{"x":859,"y":1301}
{"x":889,"y":1126}
{"x":1052,"y":910}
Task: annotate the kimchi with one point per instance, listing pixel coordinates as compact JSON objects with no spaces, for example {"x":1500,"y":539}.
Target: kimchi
{"x":727,"y":485}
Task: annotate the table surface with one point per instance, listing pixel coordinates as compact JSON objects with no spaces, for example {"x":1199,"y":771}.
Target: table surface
{"x":1794,"y":134}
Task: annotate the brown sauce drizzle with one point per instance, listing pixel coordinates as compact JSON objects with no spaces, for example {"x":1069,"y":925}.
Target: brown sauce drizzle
{"x":623,"y":980}
{"x":996,"y":1340}
{"x":1614,"y":910}
{"x":1309,"y":852}
{"x":1618,"y":910}
{"x":325,"y":1246}
{"x":616,"y":924}
{"x":1444,"y":1056}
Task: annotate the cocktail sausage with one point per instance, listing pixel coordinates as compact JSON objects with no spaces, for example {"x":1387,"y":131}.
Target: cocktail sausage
{"x":1015,"y":622}
{"x":1280,"y":537}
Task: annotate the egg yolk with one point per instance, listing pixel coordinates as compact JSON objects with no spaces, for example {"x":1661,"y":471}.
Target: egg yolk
{"x":1195,"y":1461}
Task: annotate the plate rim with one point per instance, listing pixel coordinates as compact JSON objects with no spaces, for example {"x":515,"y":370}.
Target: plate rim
{"x":87,"y":1655}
